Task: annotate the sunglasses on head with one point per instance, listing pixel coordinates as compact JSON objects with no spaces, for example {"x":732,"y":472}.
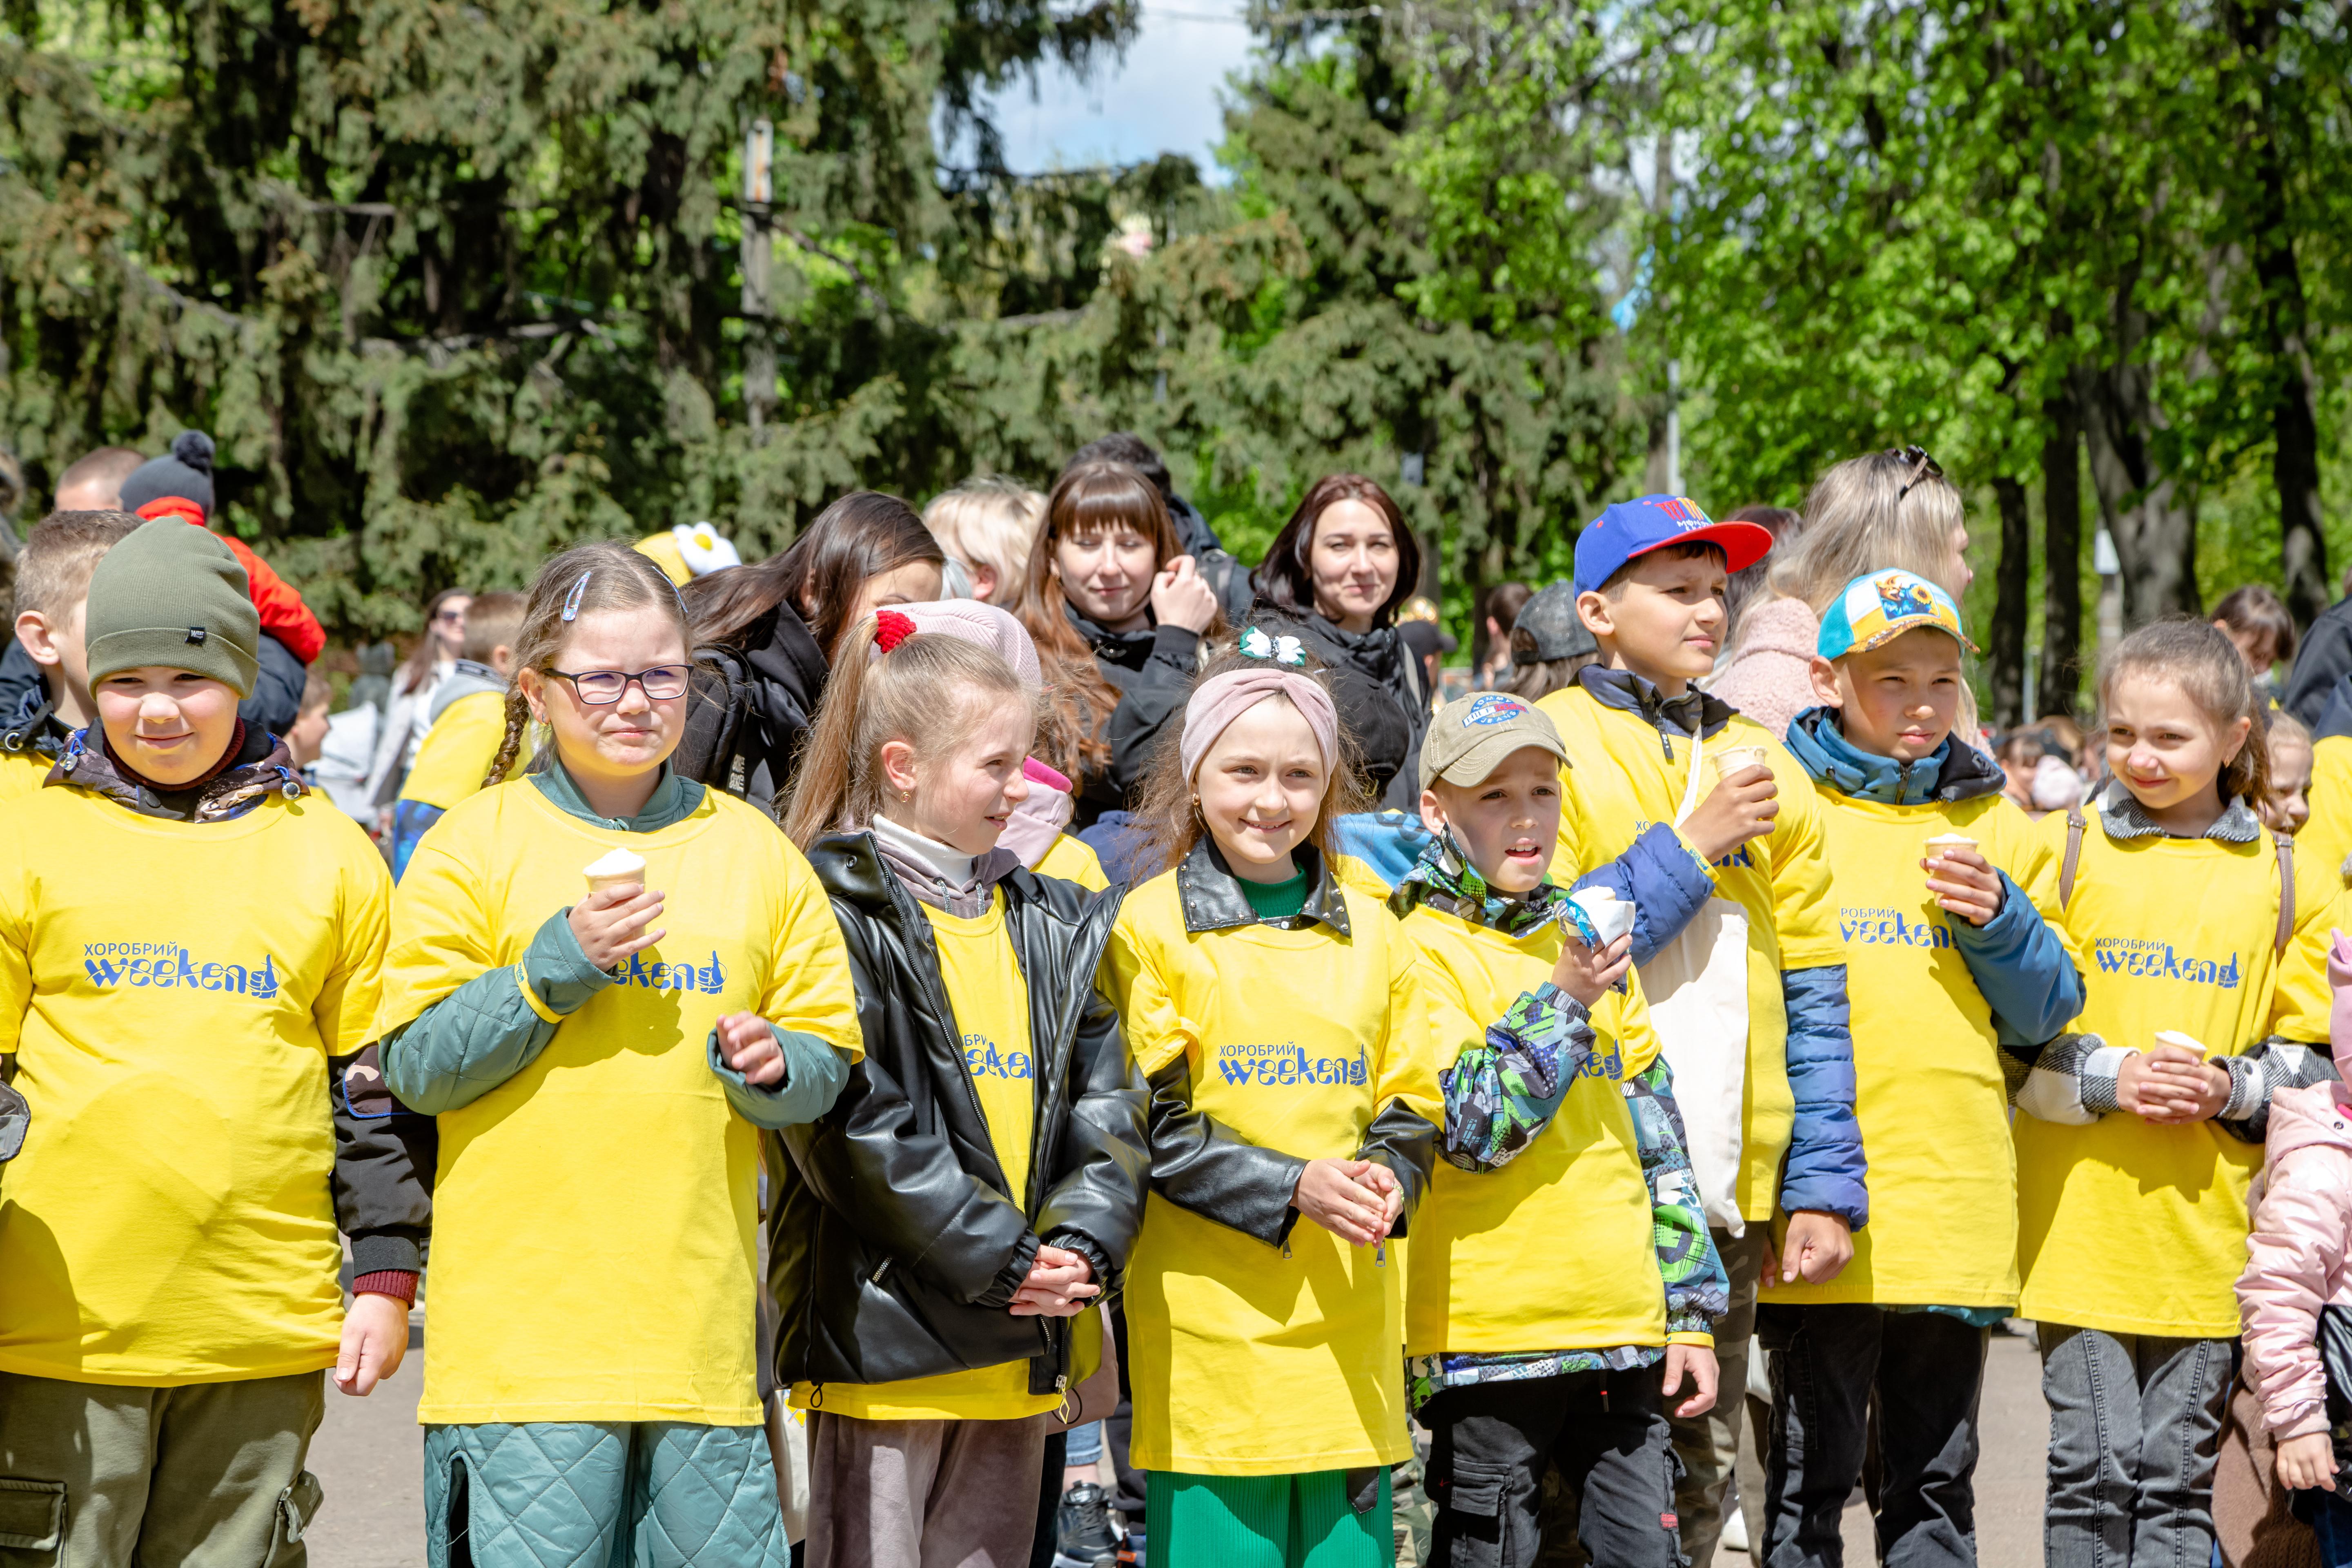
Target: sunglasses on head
{"x":1923,"y":468}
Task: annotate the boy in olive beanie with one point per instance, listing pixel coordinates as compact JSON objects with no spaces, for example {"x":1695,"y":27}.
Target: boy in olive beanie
{"x":204,"y":1112}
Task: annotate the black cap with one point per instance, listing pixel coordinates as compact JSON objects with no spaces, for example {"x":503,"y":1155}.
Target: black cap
{"x":186,"y":471}
{"x":1549,"y":616}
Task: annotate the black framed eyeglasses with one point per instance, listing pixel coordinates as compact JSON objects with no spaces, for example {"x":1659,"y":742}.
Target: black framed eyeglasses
{"x":1923,"y":466}
{"x":602,"y":688}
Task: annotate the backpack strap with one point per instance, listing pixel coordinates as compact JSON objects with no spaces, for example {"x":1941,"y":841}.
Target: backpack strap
{"x":2286,"y":892}
{"x":2067,"y":866}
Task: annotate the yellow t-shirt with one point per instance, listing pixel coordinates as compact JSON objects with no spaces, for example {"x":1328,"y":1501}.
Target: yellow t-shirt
{"x":2127,"y":1226}
{"x":990,"y":1004}
{"x":1929,"y":1094}
{"x":173,"y":992}
{"x":22,"y":772}
{"x":459,"y":750}
{"x":2326,"y":841}
{"x":1624,"y":779}
{"x":616,"y":1143}
{"x":1482,"y":1275}
{"x":1250,"y":1360}
{"x":1072,"y":861}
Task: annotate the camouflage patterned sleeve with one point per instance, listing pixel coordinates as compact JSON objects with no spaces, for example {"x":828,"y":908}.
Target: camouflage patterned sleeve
{"x":1499,"y":1095}
{"x":1698,"y":1291}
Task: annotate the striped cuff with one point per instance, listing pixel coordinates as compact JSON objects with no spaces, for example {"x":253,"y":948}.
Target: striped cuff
{"x":388,"y":1282}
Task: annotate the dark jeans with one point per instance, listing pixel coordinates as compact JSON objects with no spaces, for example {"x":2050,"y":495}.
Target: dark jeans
{"x":2135,"y":1427}
{"x":2330,"y":1518}
{"x":1490,"y":1444}
{"x":1836,"y":1372}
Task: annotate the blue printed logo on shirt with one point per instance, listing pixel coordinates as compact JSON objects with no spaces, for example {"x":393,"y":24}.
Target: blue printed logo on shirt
{"x":112,"y":966}
{"x":709,"y":979}
{"x":983,"y":1059}
{"x":1270,"y":1065}
{"x":1890,"y":928}
{"x":2144,"y":960}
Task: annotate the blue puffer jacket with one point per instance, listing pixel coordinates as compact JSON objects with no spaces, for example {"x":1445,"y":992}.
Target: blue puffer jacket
{"x":2015,"y":958}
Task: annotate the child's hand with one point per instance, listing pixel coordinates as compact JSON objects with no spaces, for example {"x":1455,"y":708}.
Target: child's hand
{"x":2306,"y":1462}
{"x":1700,"y":1361}
{"x":1738,"y":809}
{"x":1381,"y":1181}
{"x":2171,"y":1085}
{"x":1586,"y":975}
{"x":611,"y":922}
{"x":1057,"y":1285}
{"x":1333,"y":1193}
{"x":1966,"y":884}
{"x":375,"y":1337}
{"x":1816,"y":1249}
{"x":749,"y":1046}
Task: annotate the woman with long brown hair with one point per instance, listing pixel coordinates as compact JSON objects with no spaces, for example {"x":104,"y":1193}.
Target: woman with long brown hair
{"x":1336,"y":573}
{"x":774,"y":627}
{"x":1118,"y":612}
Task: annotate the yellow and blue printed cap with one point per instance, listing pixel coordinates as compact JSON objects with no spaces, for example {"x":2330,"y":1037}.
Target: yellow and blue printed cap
{"x":1879,"y":606}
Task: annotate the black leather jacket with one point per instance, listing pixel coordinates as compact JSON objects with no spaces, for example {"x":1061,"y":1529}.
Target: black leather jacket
{"x":895,"y":1243}
{"x":1200,"y":1163}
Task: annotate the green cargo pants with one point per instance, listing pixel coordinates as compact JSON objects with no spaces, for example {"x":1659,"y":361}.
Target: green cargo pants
{"x":204,"y":1475}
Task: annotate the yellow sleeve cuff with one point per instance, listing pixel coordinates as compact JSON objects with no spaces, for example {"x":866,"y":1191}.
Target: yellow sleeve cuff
{"x":522,"y":984}
{"x":1705,"y":1340}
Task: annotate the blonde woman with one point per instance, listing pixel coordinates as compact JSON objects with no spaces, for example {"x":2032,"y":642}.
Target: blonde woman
{"x":990,"y":524}
{"x":1890,"y":508}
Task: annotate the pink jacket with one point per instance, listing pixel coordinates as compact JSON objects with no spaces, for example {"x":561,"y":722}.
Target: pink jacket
{"x":2297,"y":1256}
{"x":1770,"y":676}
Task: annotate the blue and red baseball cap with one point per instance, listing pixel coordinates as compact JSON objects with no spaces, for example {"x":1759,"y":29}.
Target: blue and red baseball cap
{"x":1633,"y":528}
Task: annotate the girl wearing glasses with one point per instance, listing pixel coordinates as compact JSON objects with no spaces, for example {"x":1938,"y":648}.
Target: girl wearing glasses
{"x":601,"y":1062}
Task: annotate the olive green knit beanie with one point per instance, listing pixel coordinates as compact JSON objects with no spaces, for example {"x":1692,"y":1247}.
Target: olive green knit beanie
{"x":171,"y":595}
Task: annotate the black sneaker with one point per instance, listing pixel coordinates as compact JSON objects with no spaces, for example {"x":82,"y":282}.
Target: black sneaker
{"x":1083,"y":1537}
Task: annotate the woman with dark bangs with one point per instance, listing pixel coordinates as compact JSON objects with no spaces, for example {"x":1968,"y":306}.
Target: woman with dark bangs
{"x":1118,"y":612}
{"x":1336,"y":572}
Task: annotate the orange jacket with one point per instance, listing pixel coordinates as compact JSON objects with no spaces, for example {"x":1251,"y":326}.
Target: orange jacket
{"x":284,"y":616}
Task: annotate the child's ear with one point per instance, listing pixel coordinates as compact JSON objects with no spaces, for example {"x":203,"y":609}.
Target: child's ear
{"x":898,"y":761}
{"x":1593,"y":609}
{"x":983,"y":581}
{"x":502,"y":659}
{"x":35,"y":634}
{"x":1433,"y":812}
{"x":1825,"y":683}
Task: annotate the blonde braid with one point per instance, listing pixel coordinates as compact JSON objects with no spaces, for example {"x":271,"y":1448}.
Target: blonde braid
{"x":518,"y":719}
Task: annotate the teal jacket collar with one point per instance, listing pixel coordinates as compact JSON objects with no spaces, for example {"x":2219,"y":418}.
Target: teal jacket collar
{"x":674,"y":799}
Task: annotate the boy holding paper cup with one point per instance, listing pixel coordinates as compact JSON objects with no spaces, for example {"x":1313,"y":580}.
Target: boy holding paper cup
{"x":1937,"y":875}
{"x":1560,"y":1120}
{"x":1738,"y":956}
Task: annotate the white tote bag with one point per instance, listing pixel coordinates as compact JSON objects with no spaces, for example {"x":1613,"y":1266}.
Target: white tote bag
{"x":1698,"y":990}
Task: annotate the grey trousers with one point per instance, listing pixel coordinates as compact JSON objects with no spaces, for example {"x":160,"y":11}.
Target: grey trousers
{"x":1710,"y":1443}
{"x":923,"y":1494}
{"x":2134,"y":1424}
{"x":202,"y":1475}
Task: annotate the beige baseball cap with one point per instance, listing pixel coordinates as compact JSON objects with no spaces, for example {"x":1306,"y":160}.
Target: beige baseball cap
{"x":1470,"y":737}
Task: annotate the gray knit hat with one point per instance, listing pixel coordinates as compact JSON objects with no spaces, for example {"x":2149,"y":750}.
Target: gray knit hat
{"x":171,"y":595}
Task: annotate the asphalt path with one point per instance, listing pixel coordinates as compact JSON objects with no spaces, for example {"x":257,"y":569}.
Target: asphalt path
{"x":370,"y":1456}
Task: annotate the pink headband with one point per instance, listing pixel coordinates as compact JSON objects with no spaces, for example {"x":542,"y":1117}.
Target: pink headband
{"x":967,"y":620}
{"x":1221,"y":699}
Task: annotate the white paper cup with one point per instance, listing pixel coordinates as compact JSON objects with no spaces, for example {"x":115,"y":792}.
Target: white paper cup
{"x":1943,"y":844}
{"x":1734,"y":760}
{"x":618,"y":868}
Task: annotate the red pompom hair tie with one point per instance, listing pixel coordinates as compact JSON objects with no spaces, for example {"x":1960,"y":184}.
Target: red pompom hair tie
{"x":891,"y":628}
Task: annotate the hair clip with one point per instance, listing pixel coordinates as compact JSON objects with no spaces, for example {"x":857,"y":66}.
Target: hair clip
{"x":891,"y":628}
{"x":579,"y":590}
{"x":1288,"y":651}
